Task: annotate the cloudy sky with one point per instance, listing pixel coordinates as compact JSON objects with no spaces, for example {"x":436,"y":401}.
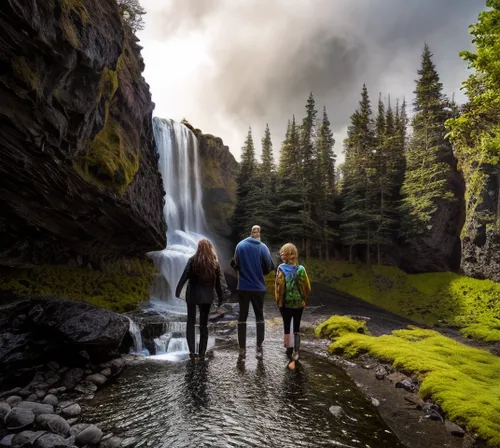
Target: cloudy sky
{"x":225,"y":65}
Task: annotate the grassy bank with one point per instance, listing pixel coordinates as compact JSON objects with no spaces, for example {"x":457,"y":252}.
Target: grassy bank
{"x":464,"y":381}
{"x":441,"y":297}
{"x":120,"y":287}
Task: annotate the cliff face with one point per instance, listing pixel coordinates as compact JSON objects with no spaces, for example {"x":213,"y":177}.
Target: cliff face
{"x":218,"y":169}
{"x":78,"y":173}
{"x":481,"y":236}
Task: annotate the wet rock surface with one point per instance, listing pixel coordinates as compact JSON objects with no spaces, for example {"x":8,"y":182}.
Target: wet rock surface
{"x":76,"y":133}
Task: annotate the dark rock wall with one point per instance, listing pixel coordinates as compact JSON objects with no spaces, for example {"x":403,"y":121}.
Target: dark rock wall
{"x":78,"y":168}
{"x":218,"y":169}
{"x":481,"y":237}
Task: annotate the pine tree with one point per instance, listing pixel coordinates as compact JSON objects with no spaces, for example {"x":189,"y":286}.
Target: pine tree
{"x":387,"y":166}
{"x":325,"y":182}
{"x":308,"y":156}
{"x":244,"y":209}
{"x":357,"y":189}
{"x":288,"y":189}
{"x":429,"y":156}
{"x":262,"y":195}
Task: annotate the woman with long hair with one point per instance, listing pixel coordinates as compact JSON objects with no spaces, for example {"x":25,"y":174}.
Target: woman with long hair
{"x":292,"y":291}
{"x":204,"y":275}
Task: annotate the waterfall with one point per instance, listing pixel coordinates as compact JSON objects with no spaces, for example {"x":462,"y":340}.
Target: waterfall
{"x":135,"y":332}
{"x":178,"y":163}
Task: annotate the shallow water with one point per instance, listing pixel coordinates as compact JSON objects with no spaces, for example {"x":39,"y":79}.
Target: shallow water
{"x":224,"y":403}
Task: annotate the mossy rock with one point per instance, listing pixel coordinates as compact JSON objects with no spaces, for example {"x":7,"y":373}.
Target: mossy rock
{"x":120,"y":288}
{"x":464,"y":381}
{"x":337,"y":326}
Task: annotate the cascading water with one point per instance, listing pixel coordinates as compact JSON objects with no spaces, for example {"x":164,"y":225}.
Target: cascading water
{"x":178,"y":162}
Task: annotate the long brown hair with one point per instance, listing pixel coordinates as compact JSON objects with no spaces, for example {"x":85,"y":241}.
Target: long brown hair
{"x":205,"y":263}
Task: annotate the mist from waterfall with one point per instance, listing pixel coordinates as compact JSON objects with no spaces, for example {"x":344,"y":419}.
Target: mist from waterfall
{"x":178,"y":162}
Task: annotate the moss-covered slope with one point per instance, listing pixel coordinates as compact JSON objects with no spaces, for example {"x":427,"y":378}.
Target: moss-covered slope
{"x":441,"y":297}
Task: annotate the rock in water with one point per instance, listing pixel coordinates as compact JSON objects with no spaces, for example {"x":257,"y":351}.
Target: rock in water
{"x":89,"y":436}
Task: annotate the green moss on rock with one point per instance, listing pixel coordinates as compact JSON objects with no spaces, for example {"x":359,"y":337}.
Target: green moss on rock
{"x":337,"y":326}
{"x":120,"y":287}
{"x":465,"y":381}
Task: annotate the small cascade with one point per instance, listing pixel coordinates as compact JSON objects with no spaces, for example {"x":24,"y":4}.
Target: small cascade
{"x":177,"y":345}
{"x":135,"y":332}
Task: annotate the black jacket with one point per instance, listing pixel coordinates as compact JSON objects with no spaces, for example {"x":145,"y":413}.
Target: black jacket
{"x":200,"y":290}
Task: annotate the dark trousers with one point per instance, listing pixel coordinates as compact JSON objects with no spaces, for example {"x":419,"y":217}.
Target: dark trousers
{"x":190,"y":330}
{"x":257,"y":300}
{"x":287,"y":314}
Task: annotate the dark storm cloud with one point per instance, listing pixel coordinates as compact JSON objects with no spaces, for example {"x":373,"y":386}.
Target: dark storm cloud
{"x":269,"y":54}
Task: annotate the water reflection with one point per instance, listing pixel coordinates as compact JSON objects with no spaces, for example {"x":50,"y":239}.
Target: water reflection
{"x":225,"y":404}
{"x":195,"y":387}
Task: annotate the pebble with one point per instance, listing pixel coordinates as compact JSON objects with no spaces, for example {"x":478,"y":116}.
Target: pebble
{"x":91,"y":435}
{"x":36,"y":408}
{"x":19,"y":418}
{"x":26,"y":438}
{"x":375,"y":402}
{"x":86,"y":387}
{"x":50,"y":399}
{"x":112,"y":442}
{"x":10,"y":392}
{"x":71,"y":411}
{"x":78,"y":428}
{"x":4,"y":410}
{"x":7,"y":441}
{"x":53,"y":423}
{"x":13,"y":400}
{"x":454,"y":429}
{"x":106,"y":371}
{"x":337,"y":411}
{"x":97,"y":379}
{"x":49,"y":440}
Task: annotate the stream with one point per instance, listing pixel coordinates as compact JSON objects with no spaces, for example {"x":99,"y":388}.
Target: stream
{"x":225,"y":403}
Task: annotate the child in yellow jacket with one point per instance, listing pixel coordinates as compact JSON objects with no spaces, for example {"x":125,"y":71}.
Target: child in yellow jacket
{"x":292,"y":290}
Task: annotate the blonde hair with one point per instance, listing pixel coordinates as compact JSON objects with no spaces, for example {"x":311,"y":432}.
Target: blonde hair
{"x":291,"y":253}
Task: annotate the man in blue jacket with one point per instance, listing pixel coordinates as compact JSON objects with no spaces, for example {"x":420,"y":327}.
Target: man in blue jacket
{"x":253,"y":261}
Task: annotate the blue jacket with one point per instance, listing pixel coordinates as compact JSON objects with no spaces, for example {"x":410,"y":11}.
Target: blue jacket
{"x":253,"y":261}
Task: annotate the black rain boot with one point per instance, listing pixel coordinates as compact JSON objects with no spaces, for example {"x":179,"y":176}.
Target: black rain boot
{"x":260,"y":327}
{"x":296,"y":346}
{"x":242,"y":336}
{"x":203,"y":341}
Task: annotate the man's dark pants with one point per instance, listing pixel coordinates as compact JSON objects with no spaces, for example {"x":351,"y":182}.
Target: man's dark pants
{"x":257,"y":300}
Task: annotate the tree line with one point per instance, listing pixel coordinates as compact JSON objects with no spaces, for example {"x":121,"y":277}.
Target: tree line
{"x":391,"y":183}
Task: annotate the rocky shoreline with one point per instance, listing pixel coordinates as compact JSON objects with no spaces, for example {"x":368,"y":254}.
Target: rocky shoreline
{"x":46,"y":413}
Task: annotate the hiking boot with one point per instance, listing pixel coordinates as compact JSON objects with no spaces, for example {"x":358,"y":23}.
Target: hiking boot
{"x":259,"y":353}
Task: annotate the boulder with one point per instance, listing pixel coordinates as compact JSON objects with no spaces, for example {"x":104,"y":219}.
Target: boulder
{"x":91,"y":435}
{"x":36,"y":408}
{"x":53,"y":423}
{"x":50,"y":399}
{"x":26,"y":439}
{"x":4,"y":410}
{"x":71,"y":410}
{"x":19,"y":418}
{"x":51,"y":441}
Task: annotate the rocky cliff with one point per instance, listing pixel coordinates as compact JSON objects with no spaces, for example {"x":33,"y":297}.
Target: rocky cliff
{"x":481,"y":235}
{"x":218,"y":169}
{"x":78,"y":173}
